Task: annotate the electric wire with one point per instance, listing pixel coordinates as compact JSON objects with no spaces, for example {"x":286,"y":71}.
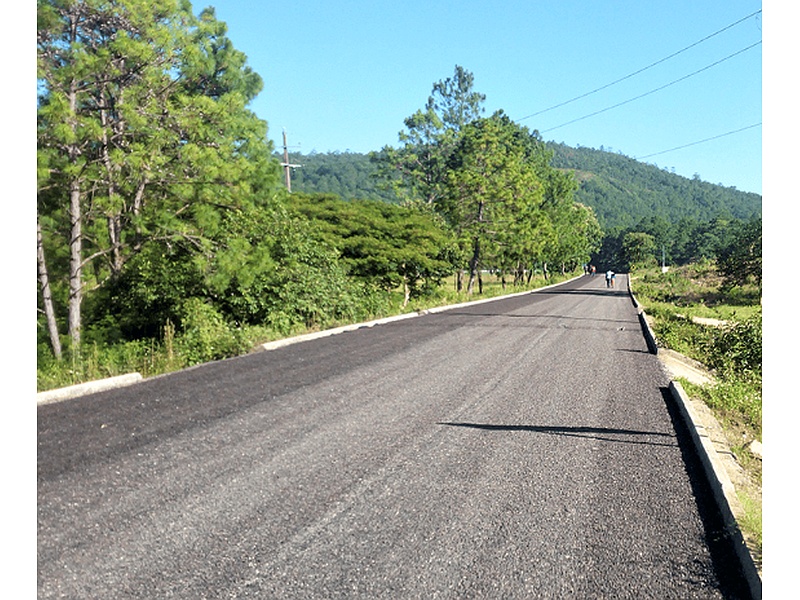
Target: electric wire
{"x":653,"y":91}
{"x":650,"y":66}
{"x":716,"y":137}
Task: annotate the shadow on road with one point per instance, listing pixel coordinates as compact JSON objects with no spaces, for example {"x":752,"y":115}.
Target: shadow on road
{"x":598,"y":433}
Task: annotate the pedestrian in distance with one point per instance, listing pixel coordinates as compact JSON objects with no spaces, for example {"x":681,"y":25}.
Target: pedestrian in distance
{"x":609,"y":278}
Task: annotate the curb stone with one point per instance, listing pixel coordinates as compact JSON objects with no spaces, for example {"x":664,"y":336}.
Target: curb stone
{"x":90,"y":387}
{"x":721,"y":486}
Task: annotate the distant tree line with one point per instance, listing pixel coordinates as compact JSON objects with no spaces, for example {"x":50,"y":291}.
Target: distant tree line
{"x":685,"y":220}
{"x":349,"y":175}
{"x":623,"y":191}
{"x":734,"y":244}
{"x":620,"y":190}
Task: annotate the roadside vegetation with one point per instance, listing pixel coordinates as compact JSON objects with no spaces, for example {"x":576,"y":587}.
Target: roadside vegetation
{"x":711,"y":312}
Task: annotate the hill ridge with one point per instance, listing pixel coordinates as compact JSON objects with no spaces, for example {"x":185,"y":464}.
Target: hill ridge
{"x":621,"y":190}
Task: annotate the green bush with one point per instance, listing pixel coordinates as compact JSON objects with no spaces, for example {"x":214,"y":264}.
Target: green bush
{"x":96,"y":361}
{"x":681,"y":334}
{"x":737,"y":347}
{"x":205,"y":336}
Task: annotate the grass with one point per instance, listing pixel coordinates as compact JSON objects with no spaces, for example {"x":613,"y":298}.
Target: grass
{"x":732,"y":351}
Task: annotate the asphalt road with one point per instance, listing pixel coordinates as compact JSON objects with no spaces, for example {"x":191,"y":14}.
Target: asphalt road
{"x":521,"y":448}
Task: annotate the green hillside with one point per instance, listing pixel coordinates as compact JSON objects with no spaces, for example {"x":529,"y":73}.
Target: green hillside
{"x":621,"y":190}
{"x":349,"y":175}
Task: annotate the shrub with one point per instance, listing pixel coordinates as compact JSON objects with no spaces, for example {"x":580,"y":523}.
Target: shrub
{"x":738,"y":347}
{"x":205,"y":335}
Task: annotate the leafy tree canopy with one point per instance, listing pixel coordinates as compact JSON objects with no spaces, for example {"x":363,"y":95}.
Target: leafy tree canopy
{"x":380,"y":243}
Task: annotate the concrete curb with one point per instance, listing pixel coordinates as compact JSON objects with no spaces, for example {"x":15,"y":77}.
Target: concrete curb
{"x":721,"y":486}
{"x":713,"y":469}
{"x":649,"y":336}
{"x":89,"y":387}
{"x":337,"y":330}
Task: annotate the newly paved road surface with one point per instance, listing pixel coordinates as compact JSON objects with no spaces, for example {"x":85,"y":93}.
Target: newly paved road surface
{"x":522,"y":448}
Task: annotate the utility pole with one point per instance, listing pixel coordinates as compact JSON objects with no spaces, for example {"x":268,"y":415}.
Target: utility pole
{"x":287,"y":166}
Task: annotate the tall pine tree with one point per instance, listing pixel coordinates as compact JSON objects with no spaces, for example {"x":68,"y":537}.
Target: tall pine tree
{"x":144,"y":136}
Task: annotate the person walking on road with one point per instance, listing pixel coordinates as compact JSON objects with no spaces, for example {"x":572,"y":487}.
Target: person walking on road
{"x":609,"y":278}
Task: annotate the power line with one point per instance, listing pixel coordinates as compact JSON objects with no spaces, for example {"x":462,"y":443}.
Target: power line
{"x":716,"y":137}
{"x":650,"y":66}
{"x":653,"y":91}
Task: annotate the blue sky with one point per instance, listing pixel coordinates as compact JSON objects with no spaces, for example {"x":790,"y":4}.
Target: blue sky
{"x":344,"y":74}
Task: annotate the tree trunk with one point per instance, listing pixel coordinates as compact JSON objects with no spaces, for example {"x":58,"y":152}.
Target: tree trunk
{"x":138,"y":203}
{"x":75,"y":266}
{"x":114,"y":238}
{"x":474,"y":263}
{"x":406,"y":287}
{"x":114,"y":218}
{"x":47,"y":299}
{"x":75,"y":236}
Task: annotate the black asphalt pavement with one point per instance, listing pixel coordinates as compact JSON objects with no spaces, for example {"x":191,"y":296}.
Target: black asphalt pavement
{"x":520,"y":448}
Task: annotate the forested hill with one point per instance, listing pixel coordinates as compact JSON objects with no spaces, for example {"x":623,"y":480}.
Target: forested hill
{"x":621,"y":190}
{"x":346,"y":174}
